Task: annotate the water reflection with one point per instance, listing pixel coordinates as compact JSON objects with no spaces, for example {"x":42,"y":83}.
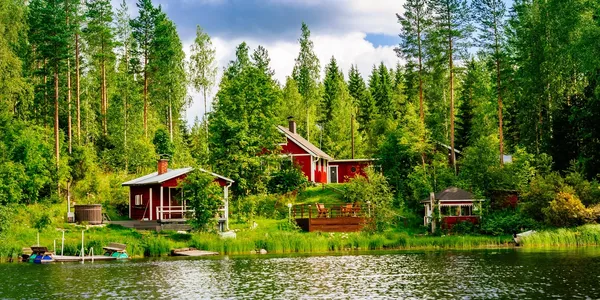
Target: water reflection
{"x":486,"y":274}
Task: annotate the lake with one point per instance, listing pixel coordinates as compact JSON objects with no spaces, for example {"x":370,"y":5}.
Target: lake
{"x":503,"y":273}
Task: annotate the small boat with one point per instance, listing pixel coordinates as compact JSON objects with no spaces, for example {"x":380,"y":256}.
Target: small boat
{"x":517,"y":236}
{"x":40,"y":255}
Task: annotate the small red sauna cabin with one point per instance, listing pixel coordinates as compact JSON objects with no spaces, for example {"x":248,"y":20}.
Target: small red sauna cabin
{"x":342,"y":170}
{"x":157,"y":196}
{"x":452,"y":206}
{"x":318,"y":166}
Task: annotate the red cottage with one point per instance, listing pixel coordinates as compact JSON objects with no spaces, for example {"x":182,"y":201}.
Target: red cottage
{"x":453,"y":206}
{"x":317,"y":165}
{"x":157,"y":196}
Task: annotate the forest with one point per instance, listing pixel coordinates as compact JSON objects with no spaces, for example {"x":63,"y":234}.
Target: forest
{"x":484,"y":97}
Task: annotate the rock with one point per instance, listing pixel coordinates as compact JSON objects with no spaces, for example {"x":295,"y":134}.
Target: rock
{"x":263,"y":251}
{"x":182,"y":232}
{"x":228,"y":234}
{"x":253,"y":252}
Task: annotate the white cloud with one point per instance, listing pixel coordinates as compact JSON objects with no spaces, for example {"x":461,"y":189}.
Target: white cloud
{"x":348,"y":49}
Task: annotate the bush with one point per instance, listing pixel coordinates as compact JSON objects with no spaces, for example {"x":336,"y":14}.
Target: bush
{"x":506,"y":222}
{"x":287,"y":179}
{"x":373,"y":188}
{"x":205,"y":197}
{"x":566,"y":210}
{"x":265,"y":206}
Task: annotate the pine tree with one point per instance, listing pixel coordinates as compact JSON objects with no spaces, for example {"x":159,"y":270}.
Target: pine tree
{"x":167,"y":69}
{"x":143,"y":32}
{"x":306,"y":74}
{"x":492,"y":21}
{"x":99,"y":37}
{"x":452,"y":20}
{"x":362,"y":98}
{"x":383,"y":93}
{"x":332,"y":91}
{"x":415,"y":22}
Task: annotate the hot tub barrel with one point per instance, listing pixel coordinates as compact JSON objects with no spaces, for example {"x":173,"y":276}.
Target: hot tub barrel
{"x":90,"y":213}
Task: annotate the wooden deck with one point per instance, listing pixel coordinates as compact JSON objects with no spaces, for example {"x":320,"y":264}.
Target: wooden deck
{"x":335,"y":218}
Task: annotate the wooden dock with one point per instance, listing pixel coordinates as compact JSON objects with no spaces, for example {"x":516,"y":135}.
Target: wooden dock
{"x":334,"y":218}
{"x":67,"y":258}
{"x":192,"y":252}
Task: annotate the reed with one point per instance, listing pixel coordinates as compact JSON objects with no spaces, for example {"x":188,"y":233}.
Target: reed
{"x":586,"y":235}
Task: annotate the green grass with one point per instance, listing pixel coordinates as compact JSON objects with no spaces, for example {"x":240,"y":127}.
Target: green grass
{"x":587,"y":235}
{"x":328,"y":194}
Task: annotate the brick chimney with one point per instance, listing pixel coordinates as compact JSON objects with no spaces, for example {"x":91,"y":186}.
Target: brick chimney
{"x":292,"y":125}
{"x":163,"y":165}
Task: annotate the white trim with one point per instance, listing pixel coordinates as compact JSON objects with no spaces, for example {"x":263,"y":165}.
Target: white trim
{"x":289,"y":138}
{"x":130,"y":203}
{"x":354,"y":160}
{"x":170,"y":200}
{"x":312,"y":169}
{"x":337,"y":174}
{"x":151,"y":205}
{"x":161,"y":204}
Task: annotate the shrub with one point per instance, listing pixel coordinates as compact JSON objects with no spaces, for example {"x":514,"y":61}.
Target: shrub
{"x":373,"y":188}
{"x":288,"y":178}
{"x":566,"y":210}
{"x":205,"y":197}
{"x":506,"y":222}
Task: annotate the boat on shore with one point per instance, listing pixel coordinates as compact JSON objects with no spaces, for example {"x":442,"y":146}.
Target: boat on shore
{"x":518,"y":236}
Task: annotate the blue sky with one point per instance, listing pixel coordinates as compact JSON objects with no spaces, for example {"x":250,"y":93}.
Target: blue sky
{"x":361,"y":32}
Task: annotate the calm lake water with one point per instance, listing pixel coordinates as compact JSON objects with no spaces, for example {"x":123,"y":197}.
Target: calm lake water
{"x":505,"y":273}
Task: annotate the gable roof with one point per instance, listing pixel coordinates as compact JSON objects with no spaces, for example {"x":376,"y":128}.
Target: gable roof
{"x":303,"y":143}
{"x":154,"y":178}
{"x":453,"y":194}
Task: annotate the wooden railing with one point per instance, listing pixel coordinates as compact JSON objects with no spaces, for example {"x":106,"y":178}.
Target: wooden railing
{"x":302,"y":211}
{"x":173,"y":212}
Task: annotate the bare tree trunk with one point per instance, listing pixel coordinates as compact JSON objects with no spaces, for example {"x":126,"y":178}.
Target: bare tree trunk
{"x":452,"y":154}
{"x":205,"y":117}
{"x":146,"y":95}
{"x":77,"y":87}
{"x":421,"y":104}
{"x":499,"y":90}
{"x":56,"y":135}
{"x":104,"y":99}
{"x":170,"y":122}
{"x":69,"y":105}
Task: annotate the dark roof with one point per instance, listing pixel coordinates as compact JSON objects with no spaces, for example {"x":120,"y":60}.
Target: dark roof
{"x":154,"y":178}
{"x":304,"y":144}
{"x":452,"y":194}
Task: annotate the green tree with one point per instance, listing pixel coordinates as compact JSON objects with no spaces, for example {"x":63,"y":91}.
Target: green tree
{"x":243,"y":124}
{"x":453,"y":29}
{"x":492,"y":21}
{"x":144,"y":34}
{"x":99,"y":37}
{"x":306,"y":74}
{"x":415,"y":23}
{"x":162,"y":143}
{"x":205,"y":197}
{"x":203,"y":68}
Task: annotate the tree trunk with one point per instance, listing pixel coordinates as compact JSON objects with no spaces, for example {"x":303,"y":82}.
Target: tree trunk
{"x":205,"y":117}
{"x":56,"y":135}
{"x":452,"y":154}
{"x":125,"y":95}
{"x":104,"y":99}
{"x":498,"y":89}
{"x":69,"y":106}
{"x":77,"y":87}
{"x":421,"y":104}
{"x":146,"y":95}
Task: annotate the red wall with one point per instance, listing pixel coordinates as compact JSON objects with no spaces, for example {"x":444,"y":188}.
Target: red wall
{"x":304,"y":163}
{"x":345,"y":169}
{"x":137,"y":212}
{"x":292,"y":148}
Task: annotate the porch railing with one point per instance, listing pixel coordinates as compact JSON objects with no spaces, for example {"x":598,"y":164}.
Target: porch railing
{"x":174,"y":212}
{"x":310,"y":211}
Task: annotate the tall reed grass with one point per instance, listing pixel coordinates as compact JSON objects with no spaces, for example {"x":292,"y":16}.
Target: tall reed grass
{"x":586,"y":235}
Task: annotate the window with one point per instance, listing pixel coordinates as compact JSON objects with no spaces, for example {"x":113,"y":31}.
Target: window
{"x":138,"y":199}
{"x":353,"y":169}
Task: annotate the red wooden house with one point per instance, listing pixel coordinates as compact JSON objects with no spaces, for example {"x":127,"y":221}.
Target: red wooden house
{"x":317,"y":165}
{"x":157,"y":196}
{"x":452,"y":206}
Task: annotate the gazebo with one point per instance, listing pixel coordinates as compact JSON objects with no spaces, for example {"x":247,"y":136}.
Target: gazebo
{"x":453,"y":206}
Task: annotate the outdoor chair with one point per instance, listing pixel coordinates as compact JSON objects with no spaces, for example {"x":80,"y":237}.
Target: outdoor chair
{"x":323,"y":212}
{"x":346,"y":210}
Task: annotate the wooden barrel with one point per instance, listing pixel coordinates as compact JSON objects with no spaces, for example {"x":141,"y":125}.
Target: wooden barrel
{"x":90,"y":213}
